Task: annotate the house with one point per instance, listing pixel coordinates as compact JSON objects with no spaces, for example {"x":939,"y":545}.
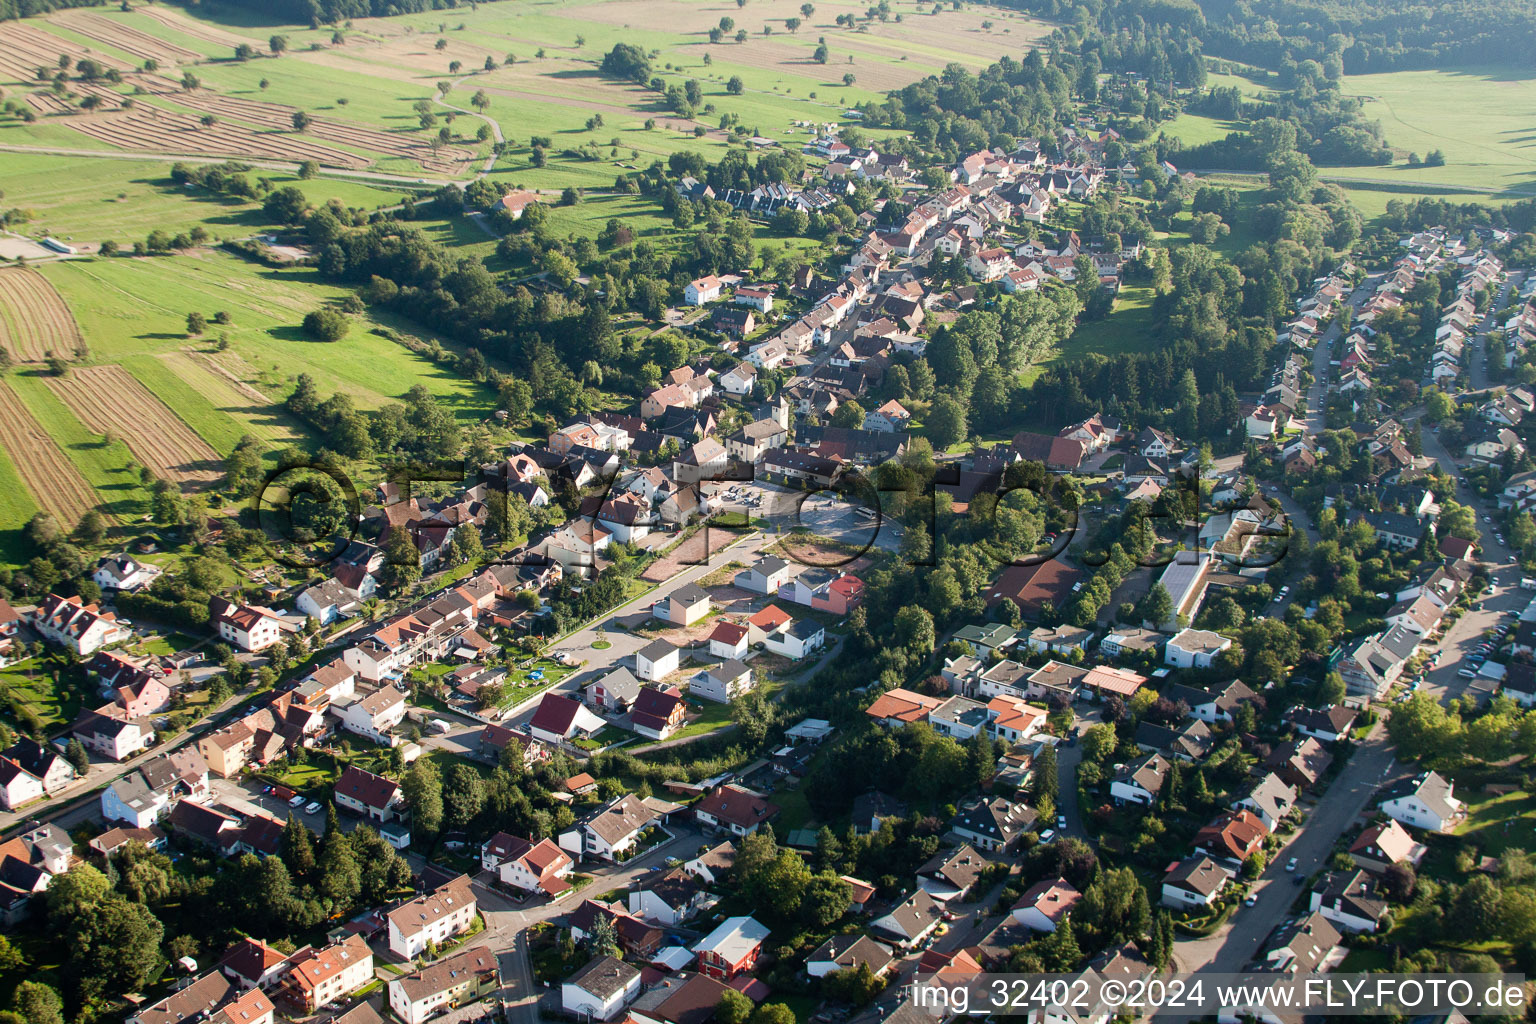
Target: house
{"x":949,"y":874}
{"x":328,"y":601}
{"x":601,"y":990}
{"x":1233,"y":837}
{"x":765,"y":577}
{"x":1046,"y":904}
{"x":517,"y":201}
{"x":960,"y":718}
{"x":702,"y":290}
{"x":212,"y":998}
{"x":527,"y":866}
{"x":658,"y":712}
{"x":458,"y":980}
{"x":986,"y":640}
{"x":1300,"y":764}
{"x":657,"y":659}
{"x":368,"y":795}
{"x":1349,"y":900}
{"x":732,"y":948}
{"x":911,"y":921}
{"x":1303,"y":947}
{"x":1426,"y":801}
{"x":609,"y":831}
{"x":123,"y":572}
{"x":248,"y":627}
{"x":1382,"y":846}
{"x":1062,"y":639}
{"x":316,"y":977}
{"x":752,"y":440}
{"x":559,"y":718}
{"x":687,"y":998}
{"x":713,"y":866}
{"x":1153,"y":443}
{"x":890,"y":417}
{"x":739,"y":380}
{"x":848,"y":953}
{"x":1190,"y":741}
{"x":760,"y":299}
{"x":993,"y":824}
{"x":153,"y":789}
{"x":41,"y":761}
{"x":1193,"y":882}
{"x":686,"y":605}
{"x":728,"y":640}
{"x":668,"y":899}
{"x":1012,"y":720}
{"x":17,"y":785}
{"x":800,"y":638}
{"x":110,"y":732}
{"x":734,"y":809}
{"x":1121,"y":641}
{"x":899,"y":706}
{"x":1139,"y":782}
{"x":615,"y":691}
{"x":1270,"y":799}
{"x":1214,"y":705}
{"x":251,"y":963}
{"x":1329,"y":724}
{"x":80,"y":627}
{"x":1036,"y":587}
{"x":434,"y":917}
{"x":1194,"y":648}
{"x":722,"y":683}
{"x":374,"y":716}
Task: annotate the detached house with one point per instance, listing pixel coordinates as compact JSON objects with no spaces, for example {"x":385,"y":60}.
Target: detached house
{"x":734,"y":809}
{"x":248,"y":627}
{"x":368,"y":795}
{"x":702,"y":290}
{"x":609,"y":831}
{"x":732,"y":948}
{"x":1046,"y":904}
{"x":1194,"y":882}
{"x":1426,"y":801}
{"x":527,"y":866}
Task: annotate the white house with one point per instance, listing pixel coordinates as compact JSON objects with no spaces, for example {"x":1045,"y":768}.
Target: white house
{"x":328,"y":601}
{"x":248,"y":627}
{"x":722,"y":683}
{"x":143,"y":795}
{"x":705,"y":289}
{"x":375,"y":715}
{"x":657,"y":659}
{"x":1194,"y":882}
{"x":765,"y":577}
{"x":801,"y":638}
{"x":81,"y":627}
{"x":610,"y":830}
{"x":123,"y":572}
{"x":600,"y":990}
{"x":434,"y":917}
{"x":1046,"y":904}
{"x":1194,"y":648}
{"x":456,"y":981}
{"x":668,"y":899}
{"x":1426,"y":801}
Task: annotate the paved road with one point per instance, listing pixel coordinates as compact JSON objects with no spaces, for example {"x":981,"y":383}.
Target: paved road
{"x":1231,"y":947}
{"x":1322,"y":360}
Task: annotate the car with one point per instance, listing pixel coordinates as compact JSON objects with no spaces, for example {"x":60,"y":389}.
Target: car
{"x":1301,"y":880}
{"x":1290,"y":865}
{"x":1047,"y":835}
{"x":297,"y":801}
{"x":1061,"y":821}
{"x":1487,"y":519}
{"x":313,"y":807}
{"x":1250,"y":901}
{"x":1466,"y":673}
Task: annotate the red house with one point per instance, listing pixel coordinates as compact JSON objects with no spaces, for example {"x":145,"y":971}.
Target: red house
{"x":732,"y":948}
{"x":843,"y":595}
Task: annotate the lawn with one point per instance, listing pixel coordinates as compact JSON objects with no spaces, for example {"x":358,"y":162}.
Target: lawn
{"x":16,"y":507}
{"x":1497,"y":823}
{"x":49,"y":685}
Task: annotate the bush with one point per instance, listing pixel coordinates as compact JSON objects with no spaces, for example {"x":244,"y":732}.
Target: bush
{"x":326,"y":325}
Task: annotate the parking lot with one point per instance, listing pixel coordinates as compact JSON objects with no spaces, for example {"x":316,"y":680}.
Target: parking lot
{"x":837,"y":517}
{"x":250,"y":798}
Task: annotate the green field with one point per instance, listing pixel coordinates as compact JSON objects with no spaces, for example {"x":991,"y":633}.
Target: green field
{"x":87,"y":201}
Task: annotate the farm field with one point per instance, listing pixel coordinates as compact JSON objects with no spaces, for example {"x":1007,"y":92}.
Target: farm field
{"x":45,"y":476}
{"x":110,"y":401}
{"x":34,"y":322}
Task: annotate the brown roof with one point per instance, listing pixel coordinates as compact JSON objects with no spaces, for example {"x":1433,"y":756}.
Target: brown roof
{"x":371,"y":790}
{"x":736,"y":806}
{"x":1031,"y":586}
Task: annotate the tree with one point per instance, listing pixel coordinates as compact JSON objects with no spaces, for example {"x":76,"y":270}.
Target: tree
{"x":946,"y":422}
{"x":773,"y":1013}
{"x":603,"y":939}
{"x":915,"y":630}
{"x":301,"y":120}
{"x":340,"y":878}
{"x":734,"y":85}
{"x":423,"y":791}
{"x":849,"y":79}
{"x":326,"y":324}
{"x":1157,"y":606}
{"x":36,"y":1003}
{"x":463,"y":795}
{"x":821,"y":54}
{"x":733,"y":1008}
{"x":277,"y":44}
{"x":196,"y":323}
{"x":76,"y":755}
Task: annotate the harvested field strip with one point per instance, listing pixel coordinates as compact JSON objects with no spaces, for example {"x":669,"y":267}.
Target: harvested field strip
{"x":110,"y":400}
{"x":16,"y":507}
{"x":279,"y":117}
{"x":170,"y":132}
{"x":24,"y":49}
{"x":193,"y":28}
{"x":34,"y":320}
{"x":218,"y":396}
{"x":46,"y":471}
{"x":126,"y":38}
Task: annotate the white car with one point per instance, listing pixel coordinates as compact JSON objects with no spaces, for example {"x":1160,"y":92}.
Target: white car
{"x":1290,"y":865}
{"x":1047,"y":835}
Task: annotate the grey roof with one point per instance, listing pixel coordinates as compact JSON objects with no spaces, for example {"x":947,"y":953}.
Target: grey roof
{"x":621,"y":683}
{"x":727,"y":671}
{"x":624,"y":816}
{"x":657,"y":649}
{"x":1197,"y":874}
{"x":1431,"y":789}
{"x":604,"y":977}
{"x":690,"y":594}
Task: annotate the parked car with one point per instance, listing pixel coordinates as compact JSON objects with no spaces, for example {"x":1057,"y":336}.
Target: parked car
{"x":313,"y":807}
{"x":1047,"y":835}
{"x":1290,"y":865}
{"x":297,"y":801}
